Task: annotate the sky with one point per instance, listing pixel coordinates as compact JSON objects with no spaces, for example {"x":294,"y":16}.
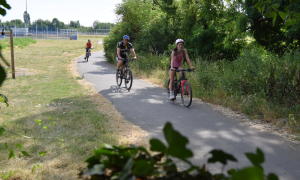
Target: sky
{"x":86,"y":11}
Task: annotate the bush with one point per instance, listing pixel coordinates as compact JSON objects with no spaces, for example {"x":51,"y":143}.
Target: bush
{"x":124,"y":163}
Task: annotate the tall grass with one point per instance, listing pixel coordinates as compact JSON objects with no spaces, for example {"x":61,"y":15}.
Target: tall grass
{"x":257,"y":83}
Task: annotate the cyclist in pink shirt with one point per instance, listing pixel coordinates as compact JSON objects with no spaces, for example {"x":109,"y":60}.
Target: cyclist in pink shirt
{"x":179,"y":54}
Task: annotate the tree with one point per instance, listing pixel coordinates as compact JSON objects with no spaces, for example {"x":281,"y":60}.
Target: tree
{"x":13,"y":23}
{"x":74,"y":24}
{"x":275,"y":24}
{"x":155,"y":25}
{"x":56,"y":24}
{"x":101,"y":25}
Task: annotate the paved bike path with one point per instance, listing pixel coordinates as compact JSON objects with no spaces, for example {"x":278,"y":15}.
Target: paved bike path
{"x":146,"y":106}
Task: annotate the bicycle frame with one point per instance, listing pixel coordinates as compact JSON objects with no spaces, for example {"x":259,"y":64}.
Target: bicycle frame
{"x":183,"y":87}
{"x":182,"y":80}
{"x":126,"y":64}
{"x":125,"y":73}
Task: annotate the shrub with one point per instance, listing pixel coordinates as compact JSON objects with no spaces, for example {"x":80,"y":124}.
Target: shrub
{"x":124,"y":163}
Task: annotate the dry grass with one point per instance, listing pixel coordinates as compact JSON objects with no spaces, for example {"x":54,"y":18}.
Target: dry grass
{"x":58,"y":121}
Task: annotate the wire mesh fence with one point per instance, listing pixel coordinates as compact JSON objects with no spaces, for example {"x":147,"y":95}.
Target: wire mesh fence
{"x":71,"y":34}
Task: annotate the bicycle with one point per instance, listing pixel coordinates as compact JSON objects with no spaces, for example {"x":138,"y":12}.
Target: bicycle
{"x":87,"y":54}
{"x":183,"y":87}
{"x":126,"y":74}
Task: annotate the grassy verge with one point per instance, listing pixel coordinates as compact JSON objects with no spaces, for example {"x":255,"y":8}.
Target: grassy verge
{"x":50,"y":114}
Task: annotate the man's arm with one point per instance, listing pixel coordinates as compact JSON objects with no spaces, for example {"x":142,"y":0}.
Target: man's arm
{"x":119,"y":53}
{"x":133,"y":52}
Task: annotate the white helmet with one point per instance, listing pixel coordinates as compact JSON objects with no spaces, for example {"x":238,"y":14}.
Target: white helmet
{"x":179,"y":41}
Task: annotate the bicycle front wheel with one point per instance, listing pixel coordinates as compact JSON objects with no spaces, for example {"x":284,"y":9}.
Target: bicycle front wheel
{"x":128,"y":79}
{"x":186,"y":94}
{"x":119,"y":77}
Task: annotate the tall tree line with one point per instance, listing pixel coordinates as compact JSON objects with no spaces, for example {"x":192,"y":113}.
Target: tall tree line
{"x":214,"y":29}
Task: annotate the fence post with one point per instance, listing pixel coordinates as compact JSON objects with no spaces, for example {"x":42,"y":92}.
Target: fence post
{"x":12,"y":54}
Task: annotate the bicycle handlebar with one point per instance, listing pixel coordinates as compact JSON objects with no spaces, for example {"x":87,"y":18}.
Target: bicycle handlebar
{"x":127,"y":59}
{"x":183,"y":70}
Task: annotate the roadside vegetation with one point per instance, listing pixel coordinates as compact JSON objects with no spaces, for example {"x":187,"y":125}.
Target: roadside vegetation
{"x":52,"y":122}
{"x":246,"y":55}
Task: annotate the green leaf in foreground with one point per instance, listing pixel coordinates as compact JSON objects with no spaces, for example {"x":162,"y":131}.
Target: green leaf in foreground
{"x":272,"y":176}
{"x":127,"y":171}
{"x":256,"y":158}
{"x":177,"y":143}
{"x":143,"y":168}
{"x":221,"y":157}
{"x":157,"y":145}
{"x":249,"y":173}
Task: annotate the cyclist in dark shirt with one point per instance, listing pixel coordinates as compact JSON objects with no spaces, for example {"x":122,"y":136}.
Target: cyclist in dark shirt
{"x":124,"y":48}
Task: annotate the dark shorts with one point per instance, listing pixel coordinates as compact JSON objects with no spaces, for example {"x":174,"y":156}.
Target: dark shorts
{"x":123,"y":59}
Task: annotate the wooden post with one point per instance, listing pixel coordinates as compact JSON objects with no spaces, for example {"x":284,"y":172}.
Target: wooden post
{"x":12,"y":54}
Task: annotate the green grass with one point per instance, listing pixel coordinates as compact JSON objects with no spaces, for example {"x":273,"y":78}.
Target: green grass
{"x":50,"y":113}
{"x":18,"y":42}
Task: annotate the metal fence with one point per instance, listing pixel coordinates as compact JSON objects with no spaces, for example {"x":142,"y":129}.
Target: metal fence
{"x":55,"y":34}
{"x":96,"y":32}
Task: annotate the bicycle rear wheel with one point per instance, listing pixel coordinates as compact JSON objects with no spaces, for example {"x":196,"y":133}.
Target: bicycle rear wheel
{"x":186,"y":94}
{"x":119,"y":77}
{"x":128,"y":79}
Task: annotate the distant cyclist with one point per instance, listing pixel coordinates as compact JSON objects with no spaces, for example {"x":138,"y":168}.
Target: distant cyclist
{"x":179,"y":54}
{"x":124,"y":47}
{"x":88,"y":46}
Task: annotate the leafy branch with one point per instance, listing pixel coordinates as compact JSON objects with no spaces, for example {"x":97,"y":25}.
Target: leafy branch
{"x":125,"y":163}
